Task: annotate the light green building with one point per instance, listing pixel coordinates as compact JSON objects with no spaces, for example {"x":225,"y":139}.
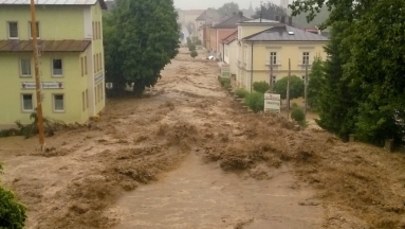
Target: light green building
{"x":71,"y":60}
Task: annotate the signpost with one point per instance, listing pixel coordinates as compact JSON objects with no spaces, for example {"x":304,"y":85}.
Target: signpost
{"x":272,"y":102}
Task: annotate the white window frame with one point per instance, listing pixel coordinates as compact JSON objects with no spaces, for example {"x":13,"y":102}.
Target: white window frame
{"x":30,"y":32}
{"x":305,"y":58}
{"x":273,"y":58}
{"x":9,"y":31}
{"x":54,"y":103}
{"x":22,"y":103}
{"x":21,"y":67}
{"x":53,"y":69}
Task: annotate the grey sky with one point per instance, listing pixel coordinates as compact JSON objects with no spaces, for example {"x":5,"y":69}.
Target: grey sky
{"x":204,"y":4}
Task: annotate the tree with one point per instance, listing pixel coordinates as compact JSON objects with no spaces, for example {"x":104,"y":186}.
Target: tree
{"x":141,"y":37}
{"x":296,"y":87}
{"x":12,"y":213}
{"x":315,"y":82}
{"x":228,"y":9}
{"x":363,"y":91}
{"x":270,"y":11}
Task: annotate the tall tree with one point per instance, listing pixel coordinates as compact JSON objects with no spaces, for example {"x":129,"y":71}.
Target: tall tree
{"x":365,"y":77}
{"x":270,"y":11}
{"x":141,"y":37}
{"x":228,"y":9}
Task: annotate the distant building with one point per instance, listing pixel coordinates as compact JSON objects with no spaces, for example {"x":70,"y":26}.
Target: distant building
{"x":71,"y":60}
{"x":187,"y":18}
{"x":221,"y":30}
{"x":204,"y":22}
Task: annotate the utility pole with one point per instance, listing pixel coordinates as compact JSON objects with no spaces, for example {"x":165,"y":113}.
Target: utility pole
{"x":40,"y":119}
{"x":288,"y":88}
{"x":306,"y":89}
{"x":271,"y":73}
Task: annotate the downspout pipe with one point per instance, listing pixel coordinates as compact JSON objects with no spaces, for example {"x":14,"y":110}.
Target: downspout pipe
{"x":251,"y":68}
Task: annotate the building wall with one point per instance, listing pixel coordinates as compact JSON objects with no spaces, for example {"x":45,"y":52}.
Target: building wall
{"x":247,"y":30}
{"x":84,"y":91}
{"x":53,"y":24}
{"x":216,"y":37}
{"x":231,"y":56}
{"x":73,"y":84}
{"x":285,"y":50}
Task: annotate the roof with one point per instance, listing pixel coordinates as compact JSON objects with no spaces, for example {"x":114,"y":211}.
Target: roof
{"x":44,"y":45}
{"x":230,"y":38}
{"x":285,"y":33}
{"x":231,"y":22}
{"x":55,"y":2}
{"x":209,"y":16}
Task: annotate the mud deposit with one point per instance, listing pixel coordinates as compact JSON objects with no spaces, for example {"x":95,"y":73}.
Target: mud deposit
{"x":187,"y":155}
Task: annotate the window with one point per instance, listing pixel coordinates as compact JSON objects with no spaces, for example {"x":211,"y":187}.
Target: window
{"x":57,"y":67}
{"x":58,"y":103}
{"x":27,"y":103}
{"x":85,"y":65}
{"x":305,"y":58}
{"x":25,"y":67}
{"x":13,"y":30}
{"x":273,"y":58}
{"x":82,"y":65}
{"x":30,"y":28}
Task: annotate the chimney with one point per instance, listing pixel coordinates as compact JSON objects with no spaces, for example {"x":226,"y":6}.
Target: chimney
{"x":282,"y":19}
{"x":290,"y":21}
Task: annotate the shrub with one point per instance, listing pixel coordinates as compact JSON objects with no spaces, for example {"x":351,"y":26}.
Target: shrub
{"x":193,"y":54}
{"x":191,"y":47}
{"x":298,"y":115}
{"x":296,"y":87}
{"x":261,"y":86}
{"x":255,"y":101}
{"x":241,"y":93}
{"x":225,"y":82}
{"x":12,"y":213}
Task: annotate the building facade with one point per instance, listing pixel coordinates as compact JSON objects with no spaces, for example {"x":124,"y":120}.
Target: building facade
{"x":265,"y":49}
{"x":71,"y":60}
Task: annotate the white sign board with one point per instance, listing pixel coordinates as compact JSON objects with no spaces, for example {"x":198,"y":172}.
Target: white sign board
{"x":272,"y":102}
{"x":44,"y":85}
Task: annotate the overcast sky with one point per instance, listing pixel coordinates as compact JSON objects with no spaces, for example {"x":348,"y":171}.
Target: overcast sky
{"x":204,"y":4}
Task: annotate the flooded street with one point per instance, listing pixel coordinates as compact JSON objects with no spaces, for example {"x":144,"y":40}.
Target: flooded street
{"x":188,"y":155}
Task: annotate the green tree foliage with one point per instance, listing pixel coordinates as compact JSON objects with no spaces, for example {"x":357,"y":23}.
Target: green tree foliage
{"x":315,"y":82}
{"x":12,"y":213}
{"x":296,"y":87}
{"x":255,"y":101}
{"x":228,"y":9}
{"x":261,"y":86}
{"x":140,"y":38}
{"x":270,"y":11}
{"x":364,"y":84}
{"x":193,"y":53}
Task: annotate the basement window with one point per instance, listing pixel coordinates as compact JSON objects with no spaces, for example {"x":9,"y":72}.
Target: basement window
{"x":58,"y":103}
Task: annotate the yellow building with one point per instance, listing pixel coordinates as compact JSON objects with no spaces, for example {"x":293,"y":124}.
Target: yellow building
{"x":71,"y":60}
{"x":265,"y":45}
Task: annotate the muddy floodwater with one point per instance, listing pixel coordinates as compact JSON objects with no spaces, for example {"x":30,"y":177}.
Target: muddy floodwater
{"x":189,"y":155}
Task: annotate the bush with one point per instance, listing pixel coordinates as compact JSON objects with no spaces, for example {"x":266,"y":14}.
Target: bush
{"x":241,"y":93}
{"x":296,"y":87}
{"x":191,"y":47}
{"x":12,"y":213}
{"x":261,"y":86}
{"x":193,"y":54}
{"x":298,"y":115}
{"x":225,"y":82}
{"x":255,"y":101}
